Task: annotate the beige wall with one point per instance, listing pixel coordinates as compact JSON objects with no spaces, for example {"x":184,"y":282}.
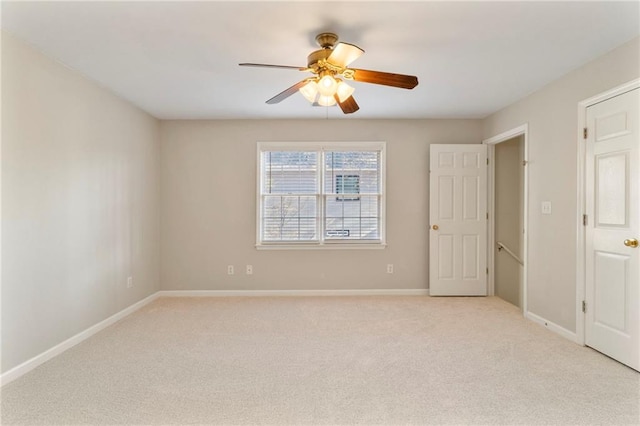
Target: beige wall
{"x":552,"y":116}
{"x":209,"y":205}
{"x":79,"y":203}
{"x":509,"y":212}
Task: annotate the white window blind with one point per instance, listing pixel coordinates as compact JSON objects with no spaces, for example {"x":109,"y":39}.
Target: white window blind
{"x":352,"y":195}
{"x":321,"y":195}
{"x":289,"y":196}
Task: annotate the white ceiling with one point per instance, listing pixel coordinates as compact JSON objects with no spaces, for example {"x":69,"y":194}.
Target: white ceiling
{"x":179,"y":60}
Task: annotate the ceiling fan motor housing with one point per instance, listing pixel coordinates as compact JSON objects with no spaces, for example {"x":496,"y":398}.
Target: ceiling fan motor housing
{"x":327,"y":40}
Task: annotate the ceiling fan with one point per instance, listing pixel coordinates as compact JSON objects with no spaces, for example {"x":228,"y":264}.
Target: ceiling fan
{"x":332,"y":60}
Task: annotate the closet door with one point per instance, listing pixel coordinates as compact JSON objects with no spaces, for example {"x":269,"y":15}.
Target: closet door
{"x":612,"y":260}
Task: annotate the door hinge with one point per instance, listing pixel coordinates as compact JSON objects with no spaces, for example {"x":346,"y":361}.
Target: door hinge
{"x":585,"y":220}
{"x":487,"y":271}
{"x":487,"y":216}
{"x":585,"y":133}
{"x":584,"y":306}
{"x":487,"y":161}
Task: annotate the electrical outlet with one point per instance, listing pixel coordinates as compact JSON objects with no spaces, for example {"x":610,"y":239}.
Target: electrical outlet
{"x":249,"y":270}
{"x":546,"y":207}
{"x":230,"y":270}
{"x":129,"y":282}
{"x":390,"y":268}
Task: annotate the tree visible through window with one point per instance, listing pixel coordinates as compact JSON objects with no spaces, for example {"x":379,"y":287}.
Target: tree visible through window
{"x":319,"y":194}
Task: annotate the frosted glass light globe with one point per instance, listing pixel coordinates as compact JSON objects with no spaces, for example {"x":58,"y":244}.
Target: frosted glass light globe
{"x":344,"y":91}
{"x":326,"y":100}
{"x":327,"y":85}
{"x":310,"y":91}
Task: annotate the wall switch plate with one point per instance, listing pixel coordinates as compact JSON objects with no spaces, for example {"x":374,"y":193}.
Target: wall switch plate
{"x":230,"y":270}
{"x":249,"y":270}
{"x":390,"y":268}
{"x":546,"y":207}
{"x":129,"y":282}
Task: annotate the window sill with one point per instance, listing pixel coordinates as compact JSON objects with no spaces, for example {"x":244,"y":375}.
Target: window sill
{"x":326,"y":246}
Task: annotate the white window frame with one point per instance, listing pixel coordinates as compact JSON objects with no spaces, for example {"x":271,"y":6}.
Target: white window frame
{"x":321,"y":148}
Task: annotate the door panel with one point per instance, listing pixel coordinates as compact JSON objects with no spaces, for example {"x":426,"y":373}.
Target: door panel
{"x":445,"y":257}
{"x":612,"y":269}
{"x":470,"y":254}
{"x":458,"y":206}
{"x":445,"y":190}
{"x":612,"y":175}
{"x":470,"y":198}
{"x":612,"y":320}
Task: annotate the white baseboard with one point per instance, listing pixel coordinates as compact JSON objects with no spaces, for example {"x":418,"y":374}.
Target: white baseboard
{"x":227,"y":293}
{"x":552,"y":326}
{"x":45,"y":356}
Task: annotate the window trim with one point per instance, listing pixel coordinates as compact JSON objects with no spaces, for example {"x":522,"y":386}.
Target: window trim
{"x":321,"y":147}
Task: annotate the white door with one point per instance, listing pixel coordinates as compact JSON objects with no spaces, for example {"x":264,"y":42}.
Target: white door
{"x":612,"y":319}
{"x":458,"y":219}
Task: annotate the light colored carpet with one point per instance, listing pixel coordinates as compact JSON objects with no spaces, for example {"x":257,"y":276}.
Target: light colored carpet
{"x":326,"y":360}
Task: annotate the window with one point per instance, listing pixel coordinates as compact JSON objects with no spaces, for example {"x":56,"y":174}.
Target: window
{"x":313,"y":195}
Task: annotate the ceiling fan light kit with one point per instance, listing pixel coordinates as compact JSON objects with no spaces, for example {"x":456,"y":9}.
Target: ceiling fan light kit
{"x":327,"y":63}
{"x":327,"y":87}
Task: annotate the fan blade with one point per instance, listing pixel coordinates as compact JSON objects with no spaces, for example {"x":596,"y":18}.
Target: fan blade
{"x":286,"y":93}
{"x":344,"y":53}
{"x":245,"y":64}
{"x":349,"y":105}
{"x":385,"y":78}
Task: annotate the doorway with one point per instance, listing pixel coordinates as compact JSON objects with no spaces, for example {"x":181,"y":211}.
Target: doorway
{"x":509,"y":219}
{"x":507,"y":242}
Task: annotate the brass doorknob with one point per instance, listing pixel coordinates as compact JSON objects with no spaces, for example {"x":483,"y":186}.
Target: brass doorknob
{"x":632,"y":242}
{"x":436,"y":227}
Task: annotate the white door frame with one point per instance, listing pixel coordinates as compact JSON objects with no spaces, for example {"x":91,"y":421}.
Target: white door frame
{"x":522,"y":130}
{"x":580,"y":234}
